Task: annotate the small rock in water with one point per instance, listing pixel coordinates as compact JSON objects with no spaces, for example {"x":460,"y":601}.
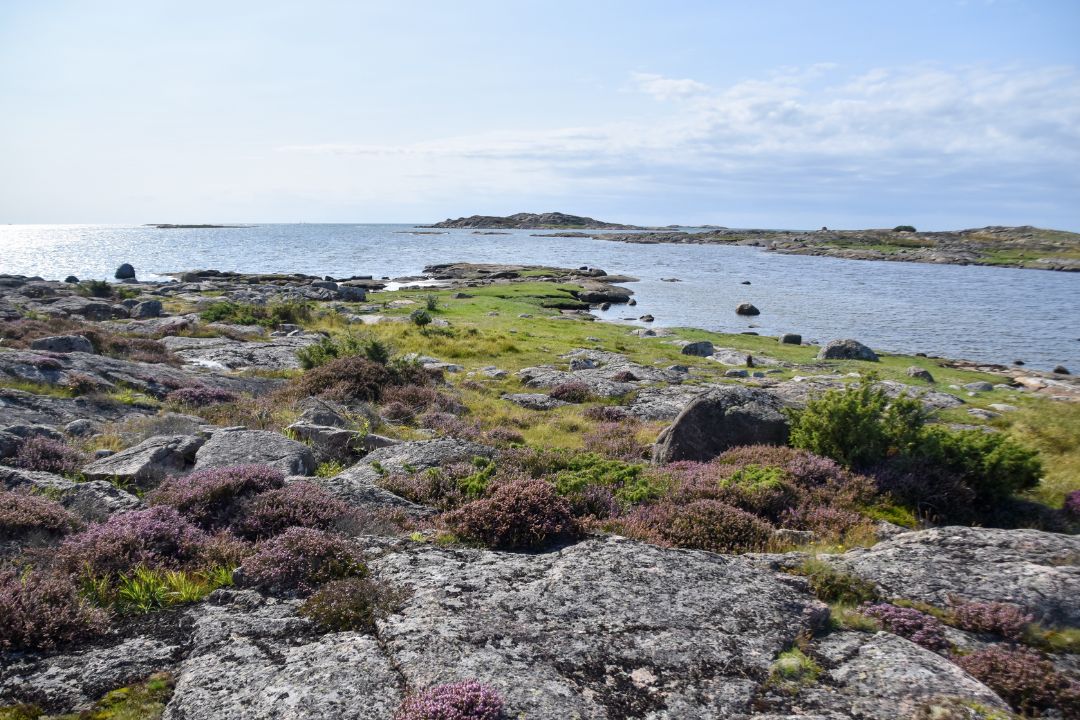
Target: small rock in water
{"x":745,"y":282}
{"x":747,"y":309}
{"x":1018,"y":362}
{"x":71,"y":279}
{"x":632,"y":302}
{"x":646,"y":318}
{"x":125,"y":272}
{"x":1061,"y":370}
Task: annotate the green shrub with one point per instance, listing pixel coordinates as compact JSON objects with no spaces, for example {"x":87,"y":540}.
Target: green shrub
{"x":858,"y":426}
{"x":431,"y":302}
{"x":328,"y":349}
{"x":350,"y":604}
{"x":833,"y":585}
{"x":993,"y":465}
{"x":420,"y":318}
{"x":271,"y":315}
{"x":94,"y":288}
{"x":904,"y":228}
{"x":793,"y":669}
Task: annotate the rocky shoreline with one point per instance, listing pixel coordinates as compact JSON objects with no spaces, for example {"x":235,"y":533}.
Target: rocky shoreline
{"x":291,"y":403}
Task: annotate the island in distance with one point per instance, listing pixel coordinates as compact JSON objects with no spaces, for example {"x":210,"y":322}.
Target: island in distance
{"x":1024,"y":246}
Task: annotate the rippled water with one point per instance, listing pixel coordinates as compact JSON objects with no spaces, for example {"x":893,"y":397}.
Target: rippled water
{"x":979,"y":313}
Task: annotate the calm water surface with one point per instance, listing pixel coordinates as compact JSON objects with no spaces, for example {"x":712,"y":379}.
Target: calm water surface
{"x":979,"y":313}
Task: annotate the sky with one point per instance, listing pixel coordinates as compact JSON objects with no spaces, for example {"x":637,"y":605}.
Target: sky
{"x":941,"y":114}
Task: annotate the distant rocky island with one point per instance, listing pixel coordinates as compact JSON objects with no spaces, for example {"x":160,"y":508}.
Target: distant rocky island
{"x":1023,"y":246}
{"x":172,"y":226}
{"x":532,"y":221}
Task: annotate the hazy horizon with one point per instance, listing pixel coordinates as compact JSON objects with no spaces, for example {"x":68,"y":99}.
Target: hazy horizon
{"x":941,"y":115}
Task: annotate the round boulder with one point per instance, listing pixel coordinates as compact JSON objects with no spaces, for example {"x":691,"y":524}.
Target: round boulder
{"x":63,"y":344}
{"x":71,"y":279}
{"x":847,"y":350}
{"x":703,"y":348}
{"x":920,"y":373}
{"x":1061,"y":370}
{"x":147,"y":309}
{"x":125,"y":272}
{"x":747,"y":309}
{"x":791,"y":339}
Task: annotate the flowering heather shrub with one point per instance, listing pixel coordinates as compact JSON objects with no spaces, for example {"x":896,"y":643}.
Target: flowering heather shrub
{"x":1023,"y":679}
{"x":224,"y":550}
{"x":298,"y":504}
{"x":572,"y":392}
{"x":213,"y":498}
{"x":504,"y":436}
{"x":351,"y":604}
{"x":201,"y":396}
{"x":918,"y":627}
{"x":42,"y":611}
{"x":22,"y":514}
{"x":824,"y":520}
{"x":606,"y":413}
{"x":617,"y":440}
{"x":420,"y":398}
{"x":450,"y":425}
{"x":41,"y":453}
{"x":518,"y":515}
{"x":1004,"y":619}
{"x":356,"y":378}
{"x":156,"y":538}
{"x":398,"y":412}
{"x":1071,"y":506}
{"x":300,"y":559}
{"x":624,"y":376}
{"x":594,"y":502}
{"x":702,"y":524}
{"x":465,"y":700}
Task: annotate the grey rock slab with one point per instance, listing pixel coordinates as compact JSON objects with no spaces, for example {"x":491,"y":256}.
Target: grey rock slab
{"x":1037,"y":570}
{"x":606,"y":628}
{"x":63,"y":344}
{"x":415,"y":456}
{"x":92,"y":500}
{"x":664,"y":402}
{"x":238,"y":446}
{"x":29,"y":408}
{"x":70,"y":681}
{"x":534,"y":401}
{"x":886,"y":677}
{"x":148,"y":463}
{"x":223,"y":353}
{"x":721,"y":419}
{"x":252,"y":658}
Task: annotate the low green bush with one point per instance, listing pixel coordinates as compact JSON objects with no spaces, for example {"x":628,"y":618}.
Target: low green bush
{"x":271,"y":315}
{"x":832,"y":585}
{"x":331,"y":348}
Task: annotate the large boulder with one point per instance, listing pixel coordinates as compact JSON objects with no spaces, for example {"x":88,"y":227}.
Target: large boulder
{"x":846,"y":350}
{"x":702,"y":348}
{"x":146,"y":309}
{"x":125,"y":272}
{"x":415,"y":456}
{"x":91,"y":500}
{"x":239,"y":446}
{"x":148,"y":463}
{"x":747,"y":309}
{"x":63,"y":344}
{"x":337,"y":443}
{"x":722,"y":419}
{"x":1036,"y":570}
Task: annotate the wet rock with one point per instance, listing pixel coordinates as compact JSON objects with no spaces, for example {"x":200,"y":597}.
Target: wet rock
{"x":920,"y":374}
{"x":719,"y":420}
{"x":125,"y":272}
{"x":1036,"y":570}
{"x":148,"y":463}
{"x":791,"y":339}
{"x":846,"y":350}
{"x":63,"y":344}
{"x":746,"y":309}
{"x":147,"y":309}
{"x":703,"y":348}
{"x":239,"y":446}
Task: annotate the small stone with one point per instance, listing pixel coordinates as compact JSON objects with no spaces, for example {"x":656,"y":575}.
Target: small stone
{"x":734,"y":373}
{"x":1061,"y":370}
{"x":125,"y":272}
{"x":646,"y":318}
{"x":80,"y":428}
{"x":920,"y":373}
{"x":632,"y":302}
{"x":745,"y":282}
{"x":791,"y":339}
{"x":747,"y":309}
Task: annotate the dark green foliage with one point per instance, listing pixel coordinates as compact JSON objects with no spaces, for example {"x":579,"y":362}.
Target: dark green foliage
{"x":292,"y":312}
{"x":328,"y":349}
{"x":431,"y":302}
{"x":833,"y":585}
{"x":420,"y":318}
{"x":351,"y":604}
{"x":94,"y":288}
{"x":904,"y":228}
{"x":858,"y":426}
{"x":993,"y":465}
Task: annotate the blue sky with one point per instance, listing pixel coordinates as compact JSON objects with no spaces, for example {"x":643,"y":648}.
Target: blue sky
{"x":768,"y":113}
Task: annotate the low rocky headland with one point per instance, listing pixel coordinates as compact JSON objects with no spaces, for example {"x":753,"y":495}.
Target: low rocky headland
{"x":284,"y":496}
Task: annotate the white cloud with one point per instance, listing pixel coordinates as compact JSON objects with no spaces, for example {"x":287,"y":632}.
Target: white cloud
{"x":921,"y":130}
{"x":663,"y":88}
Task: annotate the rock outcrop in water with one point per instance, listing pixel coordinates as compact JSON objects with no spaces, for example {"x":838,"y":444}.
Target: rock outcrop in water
{"x":531,"y":221}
